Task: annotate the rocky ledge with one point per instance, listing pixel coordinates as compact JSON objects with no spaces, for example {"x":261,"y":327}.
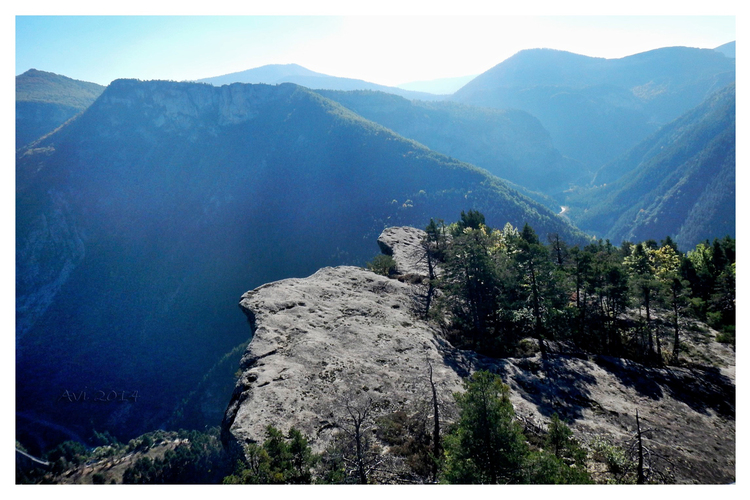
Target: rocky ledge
{"x":345,"y":332}
{"x":320,"y":340}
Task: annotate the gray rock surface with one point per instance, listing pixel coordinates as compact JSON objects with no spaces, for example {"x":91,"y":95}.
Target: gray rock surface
{"x":320,"y":339}
{"x":403,"y":244}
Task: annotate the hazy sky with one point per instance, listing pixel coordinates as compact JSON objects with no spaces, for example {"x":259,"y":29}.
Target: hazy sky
{"x":387,"y":50}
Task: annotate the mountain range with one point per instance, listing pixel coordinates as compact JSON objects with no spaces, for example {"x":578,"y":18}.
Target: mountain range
{"x":141,"y":221}
{"x":678,"y":182}
{"x":596,"y":109}
{"x":145,"y":209}
{"x":510,"y":144}
{"x":294,"y":73}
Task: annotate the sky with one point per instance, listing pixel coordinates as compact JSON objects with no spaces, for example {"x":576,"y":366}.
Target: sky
{"x":383,"y":49}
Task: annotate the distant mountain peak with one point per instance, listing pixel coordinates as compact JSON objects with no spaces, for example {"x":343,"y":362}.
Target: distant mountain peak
{"x":274,"y":74}
{"x":728,"y":49}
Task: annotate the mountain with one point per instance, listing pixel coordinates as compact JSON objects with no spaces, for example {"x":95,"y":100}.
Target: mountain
{"x":728,"y":49}
{"x":141,"y":221}
{"x":438,"y":86}
{"x":679,"y":182}
{"x":269,"y":74}
{"x":44,"y":101}
{"x":510,"y":144}
{"x":596,"y":109}
{"x":294,"y":73}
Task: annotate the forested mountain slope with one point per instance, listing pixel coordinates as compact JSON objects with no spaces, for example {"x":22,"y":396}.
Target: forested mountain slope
{"x":44,"y":101}
{"x":596,"y":109}
{"x":141,"y":222}
{"x":678,"y":182}
{"x":508,"y":143}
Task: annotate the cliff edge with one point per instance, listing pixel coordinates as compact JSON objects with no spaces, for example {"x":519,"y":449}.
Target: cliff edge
{"x":345,"y":332}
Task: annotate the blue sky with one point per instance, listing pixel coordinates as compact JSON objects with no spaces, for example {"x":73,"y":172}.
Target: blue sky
{"x":383,"y":49}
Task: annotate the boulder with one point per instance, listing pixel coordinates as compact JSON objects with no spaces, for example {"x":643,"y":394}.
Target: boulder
{"x":404,"y":245}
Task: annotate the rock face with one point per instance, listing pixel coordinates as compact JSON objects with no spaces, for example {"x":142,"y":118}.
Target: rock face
{"x":403,"y":244}
{"x":319,"y":340}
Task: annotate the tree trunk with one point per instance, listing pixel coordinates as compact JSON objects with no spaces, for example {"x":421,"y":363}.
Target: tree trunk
{"x":537,"y":311}
{"x":430,"y":278}
{"x":641,"y":476}
{"x":647,"y":304}
{"x":360,"y":455}
{"x":676,"y":348}
{"x":436,"y":429}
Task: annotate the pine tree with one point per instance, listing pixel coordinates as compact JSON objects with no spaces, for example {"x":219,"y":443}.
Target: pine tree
{"x":487,"y":445}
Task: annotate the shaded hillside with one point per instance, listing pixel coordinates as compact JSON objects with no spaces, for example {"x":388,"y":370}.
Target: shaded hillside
{"x":596,"y":109}
{"x":678,"y":182}
{"x":510,"y":144}
{"x":140,"y":222}
{"x":44,"y":101}
{"x":294,"y":73}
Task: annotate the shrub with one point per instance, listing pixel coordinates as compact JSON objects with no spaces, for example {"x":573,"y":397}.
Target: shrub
{"x":383,"y":265}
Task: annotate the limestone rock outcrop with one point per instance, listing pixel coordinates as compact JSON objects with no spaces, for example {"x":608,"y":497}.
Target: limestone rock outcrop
{"x":319,"y":340}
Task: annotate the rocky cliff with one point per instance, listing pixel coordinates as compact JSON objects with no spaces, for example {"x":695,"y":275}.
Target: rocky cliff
{"x":341,"y":333}
{"x":345,"y":332}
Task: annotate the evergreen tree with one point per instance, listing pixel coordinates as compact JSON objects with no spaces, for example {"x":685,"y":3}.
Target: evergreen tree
{"x":536,"y":274}
{"x":473,"y":285}
{"x":668,"y":264}
{"x":280,"y":460}
{"x":643,"y":280}
{"x":487,"y":445}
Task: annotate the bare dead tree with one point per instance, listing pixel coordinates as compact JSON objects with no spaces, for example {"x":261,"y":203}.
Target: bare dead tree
{"x":649,"y":463}
{"x":641,"y":476}
{"x":357,"y":422}
{"x":436,"y":444}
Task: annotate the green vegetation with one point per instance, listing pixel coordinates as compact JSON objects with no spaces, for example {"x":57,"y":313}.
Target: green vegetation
{"x":382,"y":264}
{"x":680,"y":181}
{"x":42,"y":86}
{"x":279,"y":460}
{"x":487,"y":445}
{"x":66,"y":454}
{"x":613,"y":456}
{"x":44,"y":101}
{"x":500,"y":286}
{"x":199,"y":458}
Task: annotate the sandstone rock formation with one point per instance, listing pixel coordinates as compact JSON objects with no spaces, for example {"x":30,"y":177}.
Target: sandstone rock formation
{"x":320,"y":340}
